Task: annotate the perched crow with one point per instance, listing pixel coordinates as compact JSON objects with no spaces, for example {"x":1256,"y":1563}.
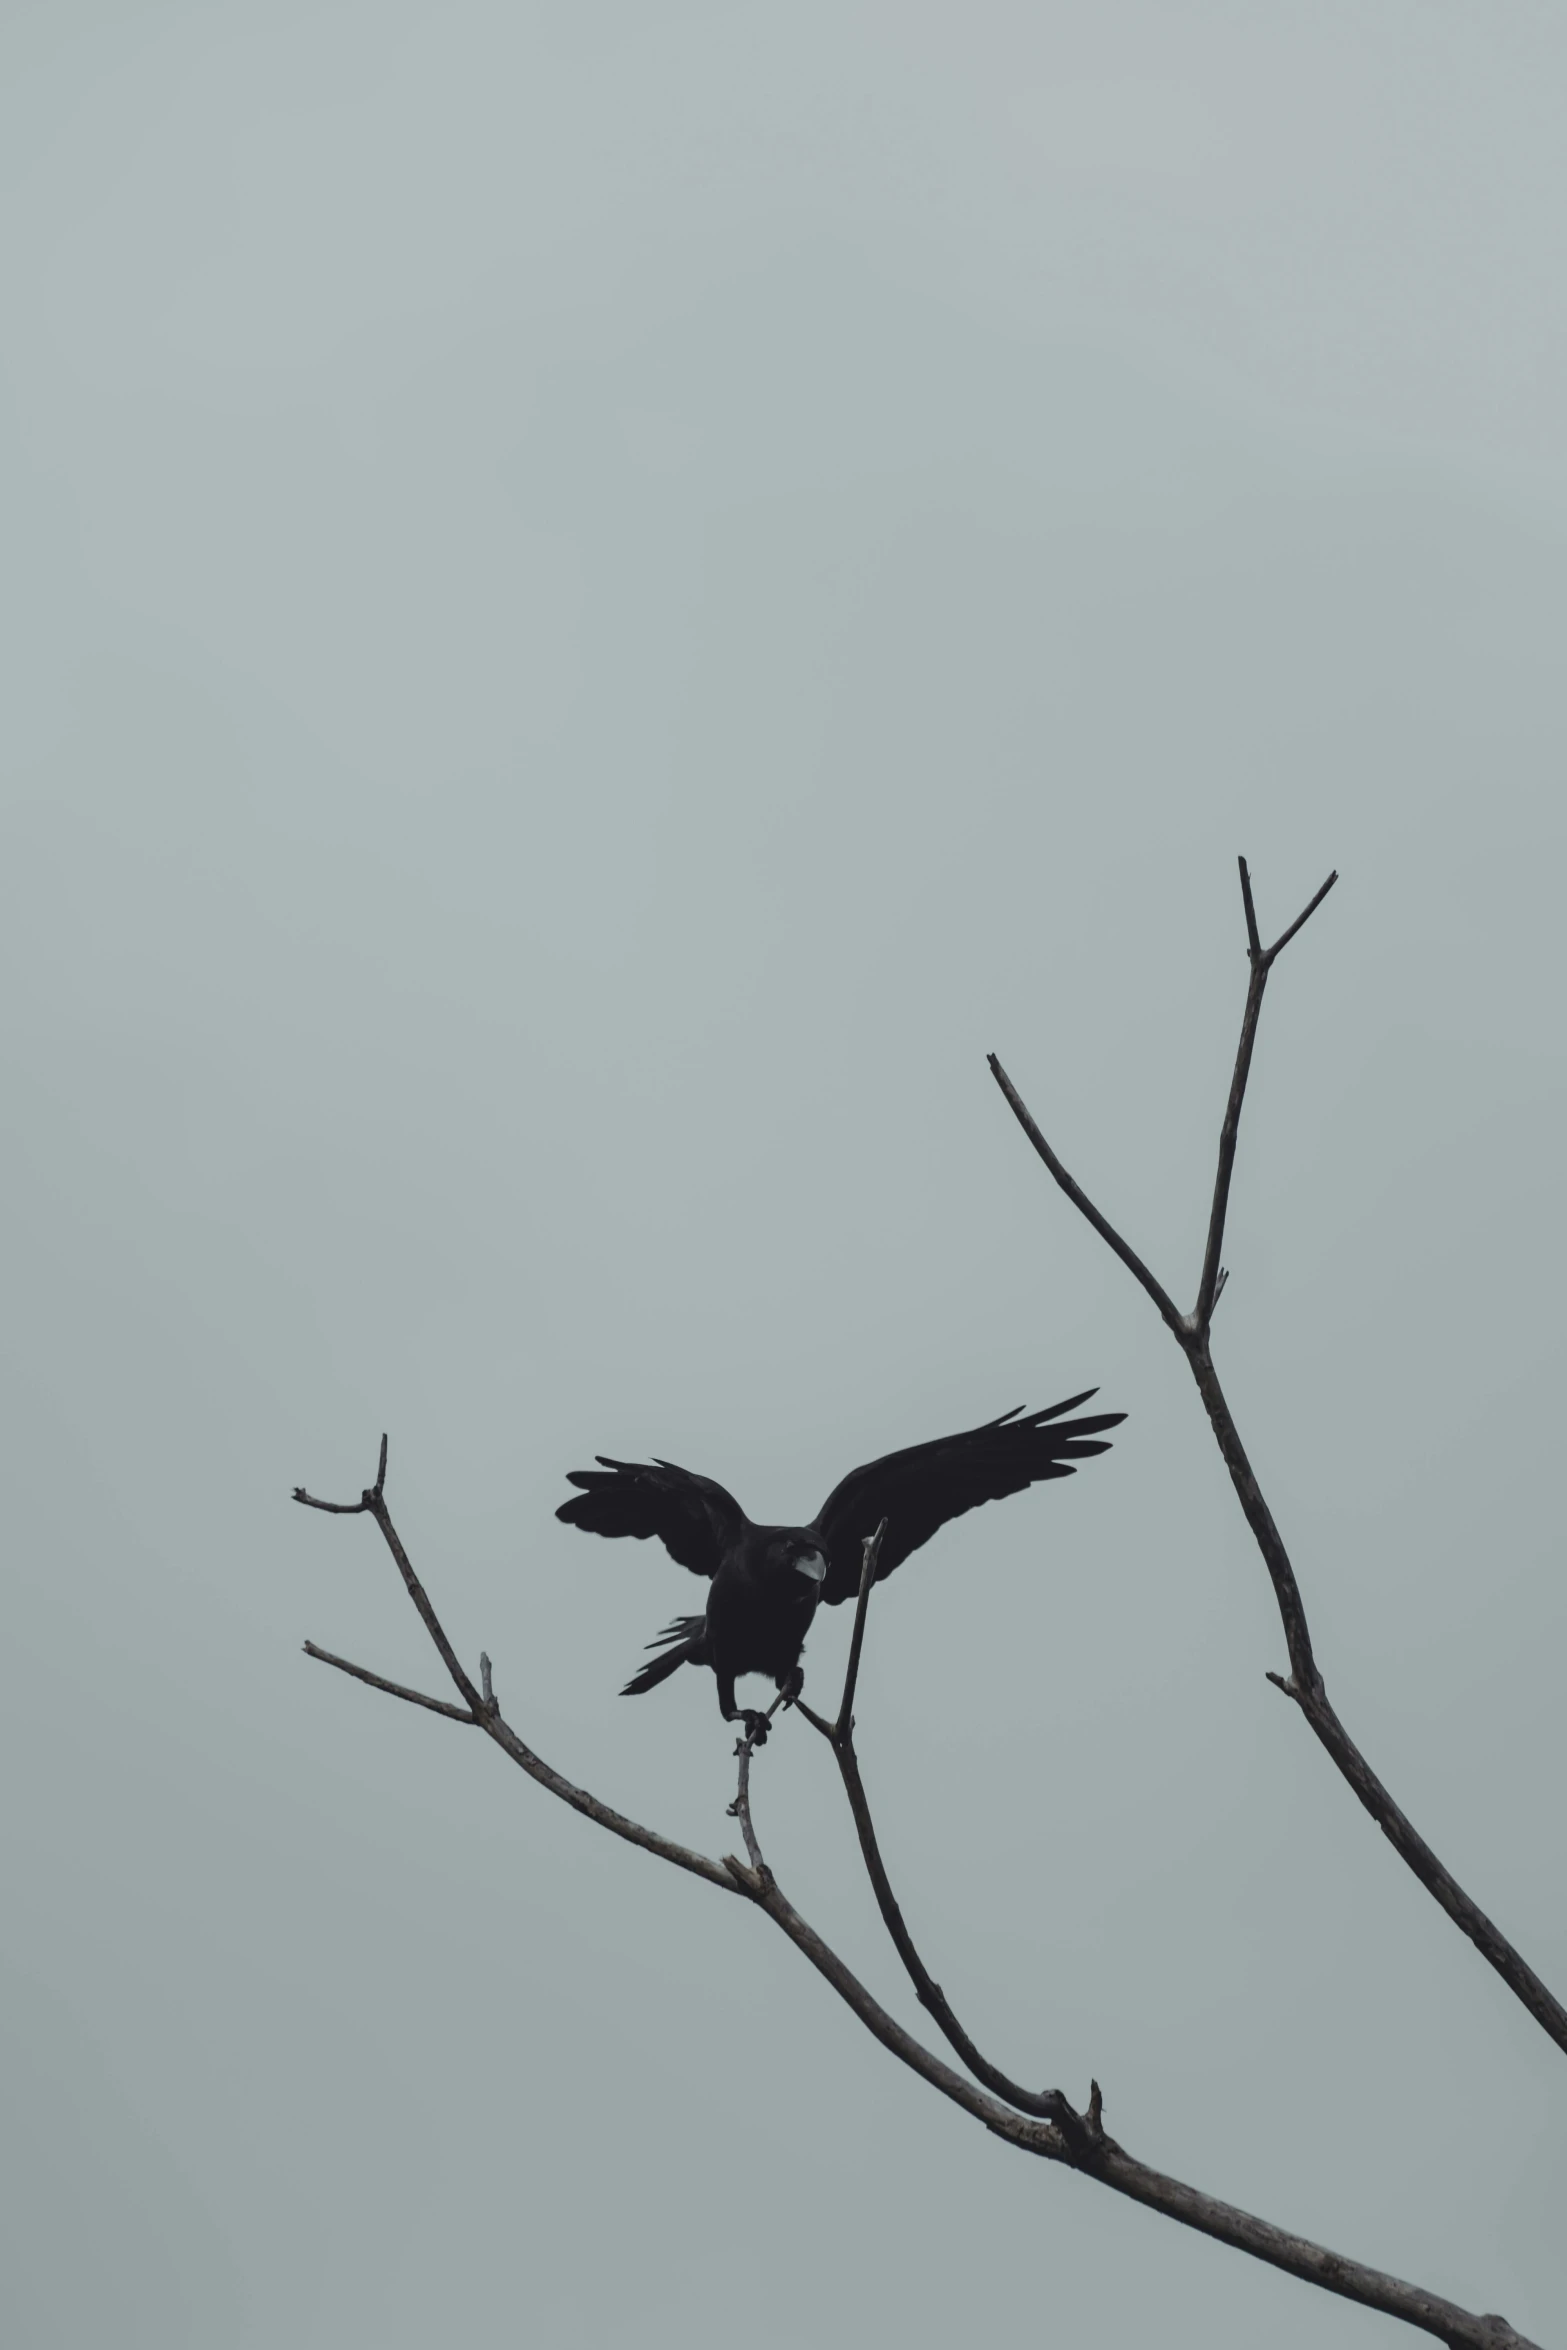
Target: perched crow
{"x":767,"y":1580}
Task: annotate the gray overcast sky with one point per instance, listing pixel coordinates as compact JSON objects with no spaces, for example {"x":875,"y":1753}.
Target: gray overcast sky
{"x":598,"y":599}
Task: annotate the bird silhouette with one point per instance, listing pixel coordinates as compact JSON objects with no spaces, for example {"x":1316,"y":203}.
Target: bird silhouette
{"x":768,"y":1581}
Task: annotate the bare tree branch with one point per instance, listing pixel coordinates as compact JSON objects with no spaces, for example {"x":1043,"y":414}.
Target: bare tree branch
{"x":870,"y":1552}
{"x":1253,"y":936}
{"x":1044,"y":2104}
{"x":350,"y":1509}
{"x":1301,"y":919}
{"x":1262,"y":962}
{"x":740,"y":1809}
{"x":434,"y":1705}
{"x":1109,"y":2163}
{"x":373,"y":1502}
{"x":1085,"y":1206}
{"x":489,"y":1719}
{"x":1088,"y":2149}
{"x":1192,"y":1332}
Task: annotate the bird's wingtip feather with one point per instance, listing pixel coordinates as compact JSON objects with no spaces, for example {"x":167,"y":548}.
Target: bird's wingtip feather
{"x":1070,"y":1405}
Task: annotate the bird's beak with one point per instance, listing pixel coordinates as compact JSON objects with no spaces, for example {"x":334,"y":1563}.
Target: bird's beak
{"x":812,"y":1563}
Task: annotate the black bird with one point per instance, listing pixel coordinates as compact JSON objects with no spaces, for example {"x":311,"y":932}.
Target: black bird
{"x":768,"y":1580}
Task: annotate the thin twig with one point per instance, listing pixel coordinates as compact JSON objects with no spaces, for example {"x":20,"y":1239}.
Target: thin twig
{"x":1229,"y":1133}
{"x":434,"y":1705}
{"x":1253,"y":936}
{"x":1305,"y":1684}
{"x":494,"y":1724}
{"x":740,"y":1809}
{"x":604,"y":1815}
{"x":1081,"y":1201}
{"x":1045,"y":2104}
{"x":417,"y":1593}
{"x":1269,"y":1541}
{"x":1262,"y":962}
{"x":373,"y":1502}
{"x":1301,"y":919}
{"x":1050,"y":2105}
{"x":870,"y":1552}
{"x":350,"y":1509}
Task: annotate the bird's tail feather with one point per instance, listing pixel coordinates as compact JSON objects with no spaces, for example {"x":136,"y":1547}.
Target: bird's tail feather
{"x":681,"y":1642}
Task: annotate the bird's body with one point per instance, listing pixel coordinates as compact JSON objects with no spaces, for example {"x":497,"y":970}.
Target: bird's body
{"x":759,"y":1609}
{"x":767,"y":1581}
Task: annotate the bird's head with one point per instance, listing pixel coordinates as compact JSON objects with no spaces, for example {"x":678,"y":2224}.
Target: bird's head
{"x":799,"y":1553}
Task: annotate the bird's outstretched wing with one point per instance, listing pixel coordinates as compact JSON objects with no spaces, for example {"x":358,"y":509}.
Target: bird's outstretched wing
{"x":920,"y":1489}
{"x":692,"y":1517}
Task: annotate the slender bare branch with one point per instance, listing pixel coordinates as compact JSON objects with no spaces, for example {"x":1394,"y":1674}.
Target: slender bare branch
{"x":1301,"y":919}
{"x":1208,"y":1285}
{"x":604,"y":1815}
{"x":1253,"y":937}
{"x":1084,"y":1205}
{"x":434,"y":1705}
{"x":1100,"y":2156}
{"x":372,"y":1502}
{"x":740,"y":1809}
{"x":1305,"y":1683}
{"x":1269,"y":1541}
{"x":350,"y":1509}
{"x":1045,"y":2104}
{"x":495,"y":1726}
{"x":870,"y":1552}
{"x":417,"y":1593}
{"x":1262,"y":961}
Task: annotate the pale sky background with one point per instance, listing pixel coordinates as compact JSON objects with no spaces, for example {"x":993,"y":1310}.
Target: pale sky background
{"x":598,"y":599}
